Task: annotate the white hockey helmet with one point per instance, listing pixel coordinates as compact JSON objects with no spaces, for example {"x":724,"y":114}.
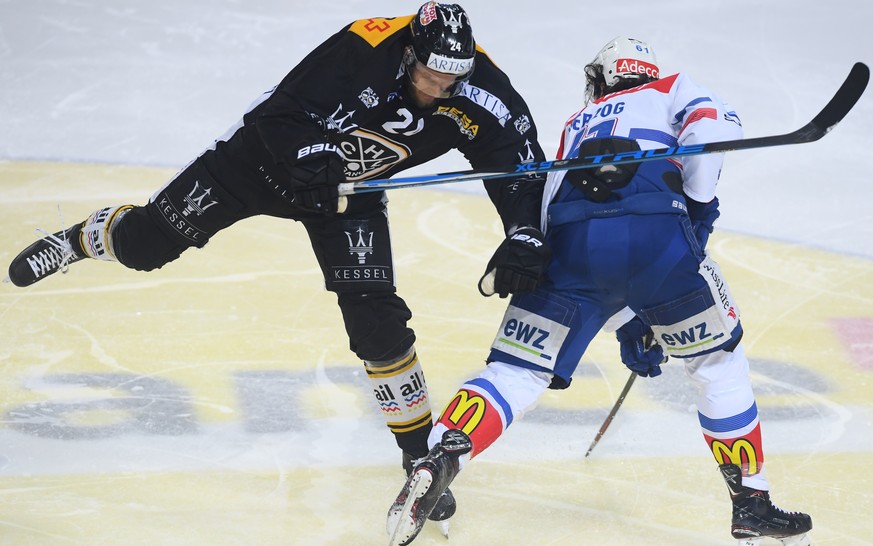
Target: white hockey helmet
{"x":622,"y":63}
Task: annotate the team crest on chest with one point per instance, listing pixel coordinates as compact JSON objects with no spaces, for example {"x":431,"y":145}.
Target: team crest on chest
{"x":367,"y":154}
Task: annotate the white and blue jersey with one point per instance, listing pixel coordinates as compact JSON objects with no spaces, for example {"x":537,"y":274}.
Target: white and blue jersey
{"x":636,"y":249}
{"x":672,"y":111}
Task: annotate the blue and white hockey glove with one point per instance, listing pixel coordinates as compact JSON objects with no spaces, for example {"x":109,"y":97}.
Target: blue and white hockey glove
{"x":703,"y":216}
{"x":518,"y":265}
{"x":638,"y":352}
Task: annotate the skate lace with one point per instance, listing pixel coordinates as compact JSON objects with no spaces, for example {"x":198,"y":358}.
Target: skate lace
{"x":783,"y":512}
{"x":60,"y":245}
{"x":60,"y":254}
{"x":773,"y":507}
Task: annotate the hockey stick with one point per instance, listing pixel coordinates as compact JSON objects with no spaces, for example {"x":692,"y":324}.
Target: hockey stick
{"x":835,"y":110}
{"x":611,"y":416}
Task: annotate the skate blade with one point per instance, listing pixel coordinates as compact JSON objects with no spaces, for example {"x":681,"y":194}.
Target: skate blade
{"x":443,"y":526}
{"x":405,"y":528}
{"x":798,"y":540}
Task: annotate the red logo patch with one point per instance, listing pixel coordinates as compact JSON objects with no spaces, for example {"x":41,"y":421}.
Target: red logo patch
{"x":428,"y":14}
{"x":633,"y":66}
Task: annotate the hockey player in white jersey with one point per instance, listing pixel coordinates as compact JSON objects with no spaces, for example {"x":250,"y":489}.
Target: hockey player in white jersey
{"x":628,"y":242}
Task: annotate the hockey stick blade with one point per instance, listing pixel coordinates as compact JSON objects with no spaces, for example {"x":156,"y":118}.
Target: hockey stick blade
{"x":844,"y":100}
{"x":836,"y":109}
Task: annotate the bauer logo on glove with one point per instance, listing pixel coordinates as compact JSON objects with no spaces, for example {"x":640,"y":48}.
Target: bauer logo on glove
{"x":315,"y":175}
{"x":519,"y":264}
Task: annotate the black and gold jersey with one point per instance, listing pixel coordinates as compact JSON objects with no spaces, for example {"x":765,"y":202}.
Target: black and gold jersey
{"x":350,"y":92}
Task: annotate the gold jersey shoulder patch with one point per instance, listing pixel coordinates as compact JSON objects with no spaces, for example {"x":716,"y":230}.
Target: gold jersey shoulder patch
{"x":483,"y":52}
{"x":375,"y":30}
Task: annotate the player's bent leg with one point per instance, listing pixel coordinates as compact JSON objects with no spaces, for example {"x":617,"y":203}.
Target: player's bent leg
{"x":91,"y":238}
{"x":140,"y":243}
{"x":727,"y":412}
{"x":401,"y":392}
{"x":376,"y":323}
{"x":478,"y":414}
{"x":729,"y":419}
{"x":186,"y":212}
{"x":485,"y":406}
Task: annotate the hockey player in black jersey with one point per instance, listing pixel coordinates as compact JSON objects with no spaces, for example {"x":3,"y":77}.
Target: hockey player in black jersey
{"x":378,"y":97}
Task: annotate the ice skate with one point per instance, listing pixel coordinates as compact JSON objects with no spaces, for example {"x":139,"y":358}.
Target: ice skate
{"x":445,"y":506}
{"x":756,"y":517}
{"x":53,"y":253}
{"x":426,"y":489}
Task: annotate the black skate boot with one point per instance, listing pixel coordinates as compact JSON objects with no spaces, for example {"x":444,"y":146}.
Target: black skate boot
{"x":48,"y":255}
{"x":445,"y":506}
{"x":425,"y":487}
{"x":755,"y":516}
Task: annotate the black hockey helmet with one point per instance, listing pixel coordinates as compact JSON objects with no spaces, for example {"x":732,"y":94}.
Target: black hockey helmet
{"x":442,"y":40}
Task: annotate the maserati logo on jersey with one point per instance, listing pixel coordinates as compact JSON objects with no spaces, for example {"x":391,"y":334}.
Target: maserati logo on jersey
{"x":465,"y":124}
{"x":522,"y":124}
{"x":528,"y":155}
{"x":361,"y":246}
{"x":369,"y":97}
{"x":337,"y":120}
{"x":368,"y":154}
{"x":634,"y":66}
{"x":198,"y":200}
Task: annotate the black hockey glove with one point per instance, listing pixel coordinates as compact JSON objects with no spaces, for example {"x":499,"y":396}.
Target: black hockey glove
{"x":638,"y":350}
{"x":315,"y":178}
{"x":703,"y":216}
{"x":518,"y":265}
